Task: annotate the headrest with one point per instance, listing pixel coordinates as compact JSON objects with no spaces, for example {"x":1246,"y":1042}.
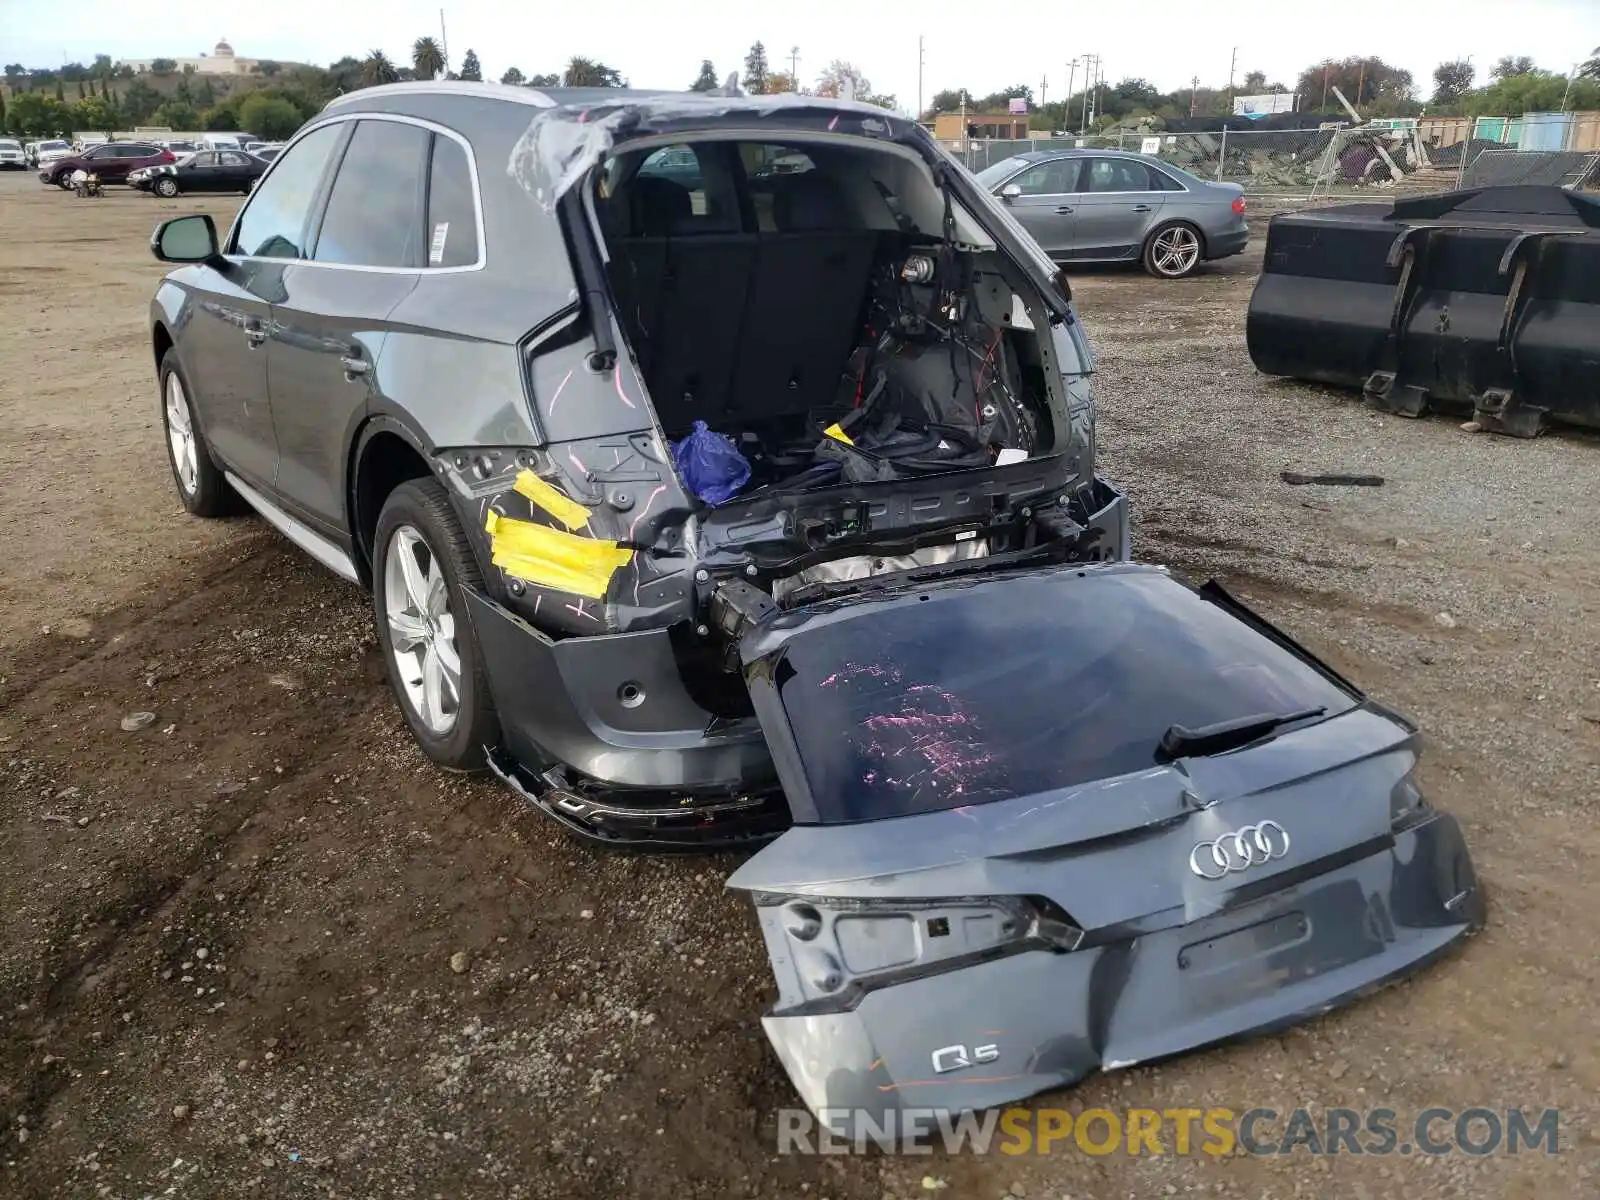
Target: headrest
{"x":810,"y":201}
{"x":658,"y":205}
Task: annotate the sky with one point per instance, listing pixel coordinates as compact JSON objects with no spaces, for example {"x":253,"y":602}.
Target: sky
{"x":981,"y":48}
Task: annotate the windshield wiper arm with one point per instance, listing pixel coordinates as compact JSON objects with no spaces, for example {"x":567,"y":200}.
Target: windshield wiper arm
{"x":1179,"y":740}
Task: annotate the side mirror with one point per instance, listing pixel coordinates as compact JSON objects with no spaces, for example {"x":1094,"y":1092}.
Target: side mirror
{"x":189,"y":239}
{"x":1011,"y":191}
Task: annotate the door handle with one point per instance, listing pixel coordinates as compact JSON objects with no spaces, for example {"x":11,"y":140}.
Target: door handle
{"x":1063,"y":208}
{"x":354,"y":366}
{"x":1141,"y":208}
{"x":255,"y":337}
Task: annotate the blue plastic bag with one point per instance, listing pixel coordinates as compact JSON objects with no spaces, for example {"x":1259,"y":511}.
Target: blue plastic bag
{"x":710,"y":463}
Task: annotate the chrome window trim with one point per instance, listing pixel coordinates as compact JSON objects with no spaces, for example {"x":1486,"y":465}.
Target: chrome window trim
{"x":399,"y":119}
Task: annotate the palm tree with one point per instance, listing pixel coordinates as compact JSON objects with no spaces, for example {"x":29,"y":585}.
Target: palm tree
{"x":583,"y":72}
{"x":378,"y":69}
{"x":1591,"y":68}
{"x":426,"y":58}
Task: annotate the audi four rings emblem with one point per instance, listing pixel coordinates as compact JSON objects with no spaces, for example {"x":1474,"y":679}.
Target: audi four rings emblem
{"x":1240,"y":850}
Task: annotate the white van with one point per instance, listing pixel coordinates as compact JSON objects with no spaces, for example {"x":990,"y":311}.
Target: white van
{"x":219,"y":141}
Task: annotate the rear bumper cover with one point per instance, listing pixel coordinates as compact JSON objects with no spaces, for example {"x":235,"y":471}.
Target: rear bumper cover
{"x":1225,"y":245}
{"x":1055,"y":1017}
{"x":600,"y":733}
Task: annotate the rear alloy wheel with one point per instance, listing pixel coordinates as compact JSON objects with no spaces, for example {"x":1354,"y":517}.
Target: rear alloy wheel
{"x":166,"y":186}
{"x":64,"y":181}
{"x":422,"y":561}
{"x":201,"y":485}
{"x":1172,"y":252}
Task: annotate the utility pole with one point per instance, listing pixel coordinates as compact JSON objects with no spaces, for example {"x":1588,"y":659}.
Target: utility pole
{"x":1066,"y":101}
{"x":1044,"y":82}
{"x":1194,"y":89}
{"x":794,"y":67}
{"x":922,"y":61}
{"x":1233,"y":63}
{"x":1361,"y":82}
{"x":1325,"y":68}
{"x":444,"y":45}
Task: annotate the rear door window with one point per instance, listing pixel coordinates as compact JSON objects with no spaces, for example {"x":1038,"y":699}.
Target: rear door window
{"x":374,"y":215}
{"x":452,"y":214}
{"x":274,"y":221}
{"x":977,"y":693}
{"x":1117,"y":175}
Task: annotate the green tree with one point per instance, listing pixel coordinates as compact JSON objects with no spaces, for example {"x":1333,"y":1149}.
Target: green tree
{"x":545,"y":81}
{"x":268,"y":67}
{"x":102,"y":66}
{"x":204,"y":95}
{"x":72,"y":72}
{"x":125,"y":72}
{"x":1589,"y":70}
{"x":1255,"y":82}
{"x":378,"y":69}
{"x":1362,"y":78}
{"x":139,"y":100}
{"x":1511,"y":65}
{"x":706,"y":81}
{"x":513,"y":76}
{"x":93,"y":113}
{"x":162,"y":66}
{"x":5,"y":125}
{"x":755,"y":69}
{"x":427,"y":60}
{"x":273,"y":117}
{"x":176,"y":116}
{"x":346,"y":75}
{"x":1532,"y":91}
{"x":40,"y":115}
{"x":471,"y":68}
{"x":1451,"y":82}
{"x":224,"y":118}
{"x":60,"y":92}
{"x":586,"y":72}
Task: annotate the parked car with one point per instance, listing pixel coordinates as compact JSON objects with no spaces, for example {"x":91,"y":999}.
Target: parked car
{"x":269,"y":152}
{"x":1113,"y":206}
{"x":11,"y":155}
{"x":220,"y":141}
{"x":700,"y":533}
{"x":111,"y":163}
{"x":203,"y":171}
{"x":48,"y":151}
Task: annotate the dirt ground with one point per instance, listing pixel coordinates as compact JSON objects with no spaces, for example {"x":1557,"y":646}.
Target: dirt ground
{"x":226,"y":939}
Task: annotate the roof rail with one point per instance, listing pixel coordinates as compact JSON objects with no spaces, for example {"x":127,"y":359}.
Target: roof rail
{"x":510,"y":93}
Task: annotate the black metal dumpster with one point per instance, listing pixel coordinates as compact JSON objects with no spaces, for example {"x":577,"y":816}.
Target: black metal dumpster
{"x":1486,"y":299}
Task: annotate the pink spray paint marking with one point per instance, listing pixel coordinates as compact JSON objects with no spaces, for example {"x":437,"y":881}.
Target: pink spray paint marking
{"x":616,"y":376}
{"x":551,"y":411}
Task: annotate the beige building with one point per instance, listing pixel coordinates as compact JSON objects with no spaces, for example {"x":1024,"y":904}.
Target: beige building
{"x":221,"y":61}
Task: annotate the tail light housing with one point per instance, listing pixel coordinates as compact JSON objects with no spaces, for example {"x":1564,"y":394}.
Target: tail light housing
{"x":1238,"y":204}
{"x":168,"y":156}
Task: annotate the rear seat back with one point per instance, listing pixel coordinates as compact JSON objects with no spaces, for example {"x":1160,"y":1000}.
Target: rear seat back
{"x":731,"y":328}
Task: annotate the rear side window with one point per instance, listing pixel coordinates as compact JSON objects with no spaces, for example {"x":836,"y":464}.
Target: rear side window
{"x":452,"y":217}
{"x":274,"y":221}
{"x":374,"y":214}
{"x":1054,"y":178}
{"x":1160,"y":181}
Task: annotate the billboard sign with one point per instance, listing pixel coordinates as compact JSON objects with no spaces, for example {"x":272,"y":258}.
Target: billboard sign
{"x":1261,"y":106}
{"x":1018,"y":107}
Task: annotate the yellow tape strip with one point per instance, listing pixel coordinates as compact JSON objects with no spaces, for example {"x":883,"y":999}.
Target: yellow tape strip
{"x":551,"y":558}
{"x":552,"y":499}
{"x":838,"y":435}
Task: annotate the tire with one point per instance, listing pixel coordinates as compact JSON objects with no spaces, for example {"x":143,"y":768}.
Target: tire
{"x":166,"y":187}
{"x":63,"y":180}
{"x":200,"y":482}
{"x":425,"y":606}
{"x":1173,"y":251}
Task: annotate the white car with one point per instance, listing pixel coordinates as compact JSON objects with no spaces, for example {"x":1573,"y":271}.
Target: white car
{"x":50,"y":151}
{"x":11,"y":155}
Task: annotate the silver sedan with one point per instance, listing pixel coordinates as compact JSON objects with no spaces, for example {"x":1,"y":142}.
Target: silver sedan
{"x":1113,"y":206}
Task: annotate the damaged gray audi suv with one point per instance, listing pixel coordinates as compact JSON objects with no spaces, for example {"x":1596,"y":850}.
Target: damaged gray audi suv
{"x":722,"y":469}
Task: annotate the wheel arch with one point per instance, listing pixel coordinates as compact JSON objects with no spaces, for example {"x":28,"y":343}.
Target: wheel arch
{"x":385,"y":452}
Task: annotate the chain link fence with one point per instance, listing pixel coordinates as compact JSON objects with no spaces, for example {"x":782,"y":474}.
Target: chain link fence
{"x":1435,"y":154}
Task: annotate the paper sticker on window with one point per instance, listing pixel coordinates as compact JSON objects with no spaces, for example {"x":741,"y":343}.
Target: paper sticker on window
{"x":436,"y":249}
